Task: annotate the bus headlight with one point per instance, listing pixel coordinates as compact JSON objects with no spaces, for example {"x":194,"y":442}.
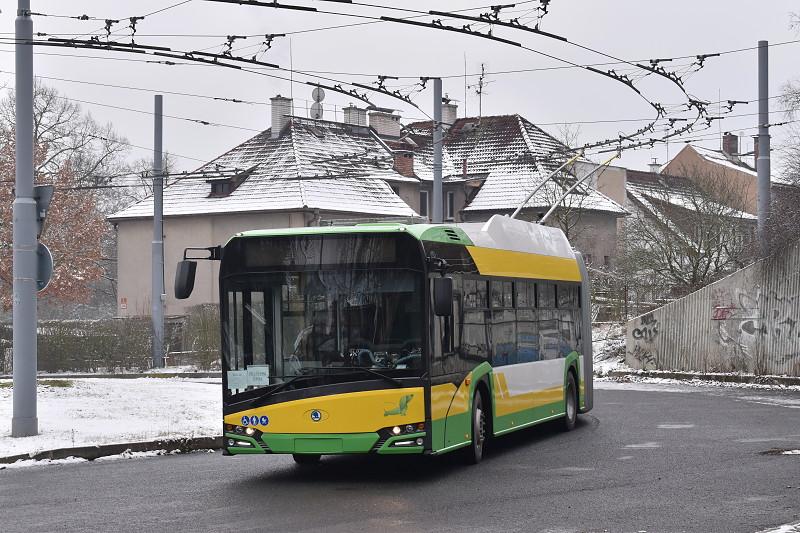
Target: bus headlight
{"x":396,"y":430}
{"x":250,"y":431}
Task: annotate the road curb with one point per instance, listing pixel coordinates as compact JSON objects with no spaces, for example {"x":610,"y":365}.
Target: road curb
{"x":724,"y":378}
{"x":90,"y":453}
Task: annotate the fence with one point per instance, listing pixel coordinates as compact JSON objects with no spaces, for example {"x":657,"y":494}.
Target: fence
{"x":746,"y":322}
{"x":120,"y":344}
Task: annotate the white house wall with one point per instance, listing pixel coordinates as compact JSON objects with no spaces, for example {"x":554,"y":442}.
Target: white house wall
{"x":134,"y":255}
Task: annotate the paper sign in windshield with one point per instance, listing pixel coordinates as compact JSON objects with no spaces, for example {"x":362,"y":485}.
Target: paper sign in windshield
{"x":258,"y":375}
{"x":237,"y":379}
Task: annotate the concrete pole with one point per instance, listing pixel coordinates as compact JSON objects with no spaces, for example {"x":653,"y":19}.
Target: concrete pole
{"x":763,"y":162}
{"x":437,"y":151}
{"x":157,"y":296}
{"x":24,"y":421}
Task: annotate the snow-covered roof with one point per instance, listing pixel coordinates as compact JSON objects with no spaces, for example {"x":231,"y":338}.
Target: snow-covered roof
{"x":652,"y":191}
{"x":511,"y":154}
{"x":718,"y":157}
{"x":313,"y":164}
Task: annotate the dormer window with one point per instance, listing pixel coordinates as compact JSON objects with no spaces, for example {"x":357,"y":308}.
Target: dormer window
{"x":222,"y":186}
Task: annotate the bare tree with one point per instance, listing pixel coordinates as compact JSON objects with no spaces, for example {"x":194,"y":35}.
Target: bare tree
{"x":80,"y":158}
{"x":686,"y":233}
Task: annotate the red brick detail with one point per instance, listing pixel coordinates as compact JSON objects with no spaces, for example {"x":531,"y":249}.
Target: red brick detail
{"x":404,"y":163}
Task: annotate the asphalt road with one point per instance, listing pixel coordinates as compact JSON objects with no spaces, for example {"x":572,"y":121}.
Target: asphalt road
{"x":665,"y":458}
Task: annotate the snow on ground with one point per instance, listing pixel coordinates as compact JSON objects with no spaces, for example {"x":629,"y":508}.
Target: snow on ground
{"x":788,"y":528}
{"x":643,"y":383}
{"x":608,"y":347}
{"x":72,"y":460}
{"x":107,"y":411}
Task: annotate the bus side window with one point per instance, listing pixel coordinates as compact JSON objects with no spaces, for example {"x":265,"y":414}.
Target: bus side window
{"x":474,"y":341}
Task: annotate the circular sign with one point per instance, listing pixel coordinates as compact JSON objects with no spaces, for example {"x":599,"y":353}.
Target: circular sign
{"x":316,"y":111}
{"x":316,"y":416}
{"x":44,"y":267}
{"x":318,"y":94}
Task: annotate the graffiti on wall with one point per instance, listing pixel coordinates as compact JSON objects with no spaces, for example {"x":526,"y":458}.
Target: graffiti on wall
{"x":754,"y":316}
{"x":645,"y":332}
{"x":738,"y":325}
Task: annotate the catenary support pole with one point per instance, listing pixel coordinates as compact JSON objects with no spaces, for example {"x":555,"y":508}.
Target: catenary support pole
{"x":437,"y":151}
{"x":763,"y":162}
{"x":24,"y":421}
{"x":157,"y":297}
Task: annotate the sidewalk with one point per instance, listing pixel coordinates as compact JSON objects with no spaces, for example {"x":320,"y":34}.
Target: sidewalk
{"x":89,"y":412}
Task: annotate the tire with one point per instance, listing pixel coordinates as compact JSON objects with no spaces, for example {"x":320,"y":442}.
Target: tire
{"x":306,"y":459}
{"x":474,"y":452}
{"x":570,"y":403}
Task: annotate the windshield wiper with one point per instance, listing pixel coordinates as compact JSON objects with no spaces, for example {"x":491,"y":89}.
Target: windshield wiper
{"x":370,"y":371}
{"x":258,"y":399}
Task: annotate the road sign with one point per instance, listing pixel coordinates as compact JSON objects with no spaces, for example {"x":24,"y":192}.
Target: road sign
{"x":318,"y":94}
{"x":316,"y":110}
{"x":44,"y":267}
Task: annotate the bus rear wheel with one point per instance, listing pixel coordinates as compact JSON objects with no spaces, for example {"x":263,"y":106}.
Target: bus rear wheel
{"x":475,"y":450}
{"x":570,"y":403}
{"x":306,"y":459}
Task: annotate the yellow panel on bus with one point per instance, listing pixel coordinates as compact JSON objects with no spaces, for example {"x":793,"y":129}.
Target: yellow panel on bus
{"x":493,"y":262}
{"x":353,"y":412}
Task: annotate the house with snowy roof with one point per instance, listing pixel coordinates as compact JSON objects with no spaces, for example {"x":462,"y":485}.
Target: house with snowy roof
{"x":491,"y":164}
{"x":733,"y":164}
{"x":303,"y":172}
{"x":680,"y":204}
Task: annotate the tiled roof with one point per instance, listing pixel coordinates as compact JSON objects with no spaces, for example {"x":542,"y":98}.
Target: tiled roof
{"x":513,"y":154}
{"x":652,"y":191}
{"x":313,"y":164}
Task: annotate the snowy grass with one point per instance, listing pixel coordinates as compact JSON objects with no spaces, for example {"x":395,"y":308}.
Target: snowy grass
{"x":92,"y":411}
{"x":608,"y":347}
{"x":25,"y":463}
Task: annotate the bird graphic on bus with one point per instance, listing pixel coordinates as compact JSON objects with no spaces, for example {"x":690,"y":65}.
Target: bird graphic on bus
{"x":401,"y":408}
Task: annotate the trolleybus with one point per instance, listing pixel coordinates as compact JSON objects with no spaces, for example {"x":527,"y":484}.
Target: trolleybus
{"x":394,"y":338}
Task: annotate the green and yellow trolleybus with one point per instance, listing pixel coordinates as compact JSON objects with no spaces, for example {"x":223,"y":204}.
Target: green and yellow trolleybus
{"x":397,"y":338}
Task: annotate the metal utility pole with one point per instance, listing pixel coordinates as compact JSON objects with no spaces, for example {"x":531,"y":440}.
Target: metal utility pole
{"x":437,"y":151}
{"x":157,"y":296}
{"x":763,"y":161}
{"x":24,"y":421}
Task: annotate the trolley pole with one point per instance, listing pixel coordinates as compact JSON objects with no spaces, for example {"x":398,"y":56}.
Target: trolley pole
{"x":763,"y":161}
{"x":157,"y":295}
{"x":24,"y":421}
{"x":437,"y":151}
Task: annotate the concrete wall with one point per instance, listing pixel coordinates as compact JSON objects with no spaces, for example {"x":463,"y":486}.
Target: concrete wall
{"x":746,"y":322}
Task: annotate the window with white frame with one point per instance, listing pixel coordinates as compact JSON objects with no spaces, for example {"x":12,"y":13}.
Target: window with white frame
{"x":423,"y":204}
{"x":450,"y":206}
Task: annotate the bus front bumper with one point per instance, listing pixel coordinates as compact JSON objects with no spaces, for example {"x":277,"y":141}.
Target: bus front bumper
{"x":324,"y":443}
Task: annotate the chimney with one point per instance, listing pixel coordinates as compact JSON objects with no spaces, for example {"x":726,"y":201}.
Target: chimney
{"x":655,"y":167}
{"x":385,"y":124}
{"x":730,"y":144}
{"x":755,"y":152}
{"x":404,"y":163}
{"x":355,"y":116}
{"x":282,"y":109}
{"x":449,"y":113}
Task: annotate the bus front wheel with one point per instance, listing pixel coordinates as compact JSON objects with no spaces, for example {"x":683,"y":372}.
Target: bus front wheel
{"x":305,"y":459}
{"x":571,"y":403}
{"x":475,"y":450}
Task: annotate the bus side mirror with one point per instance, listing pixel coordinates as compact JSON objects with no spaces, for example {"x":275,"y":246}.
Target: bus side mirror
{"x":184,"y":279}
{"x":443,"y":296}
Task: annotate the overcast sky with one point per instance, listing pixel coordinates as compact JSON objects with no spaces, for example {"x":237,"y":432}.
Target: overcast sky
{"x":628,"y":29}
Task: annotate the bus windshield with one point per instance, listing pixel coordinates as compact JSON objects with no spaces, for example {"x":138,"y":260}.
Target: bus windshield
{"x":337,"y":322}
